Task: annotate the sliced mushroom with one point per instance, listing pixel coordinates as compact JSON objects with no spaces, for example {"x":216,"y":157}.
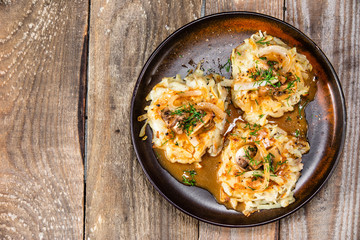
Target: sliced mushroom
{"x":205,"y":123}
{"x":281,"y":93}
{"x":172,"y":121}
{"x":248,"y":155}
{"x":168,"y":117}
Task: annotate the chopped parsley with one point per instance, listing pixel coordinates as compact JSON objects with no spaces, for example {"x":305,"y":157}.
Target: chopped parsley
{"x":288,"y":119}
{"x":255,"y":128}
{"x":256,"y":174}
{"x":239,"y":174}
{"x":227,"y":65}
{"x":301,"y":107}
{"x":268,"y":159}
{"x":262,"y":41}
{"x":193,"y":117}
{"x":297,"y":133}
{"x":173,"y":137}
{"x":272,"y":63}
{"x":280,"y":163}
{"x":263,"y":76}
{"x":291,"y":84}
{"x":189,"y":180}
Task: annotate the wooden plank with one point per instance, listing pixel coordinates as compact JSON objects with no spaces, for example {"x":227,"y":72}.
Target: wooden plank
{"x":273,"y":8}
{"x":334,"y":212}
{"x":120,"y":202}
{"x":269,"y":231}
{"x":41,"y":173}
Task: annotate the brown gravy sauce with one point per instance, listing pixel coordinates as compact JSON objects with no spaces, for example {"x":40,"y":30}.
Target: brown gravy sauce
{"x":206,"y":176}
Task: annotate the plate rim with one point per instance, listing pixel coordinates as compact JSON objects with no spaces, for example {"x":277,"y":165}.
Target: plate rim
{"x":246,"y":13}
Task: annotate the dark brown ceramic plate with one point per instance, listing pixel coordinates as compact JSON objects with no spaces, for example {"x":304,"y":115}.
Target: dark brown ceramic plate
{"x":211,"y":39}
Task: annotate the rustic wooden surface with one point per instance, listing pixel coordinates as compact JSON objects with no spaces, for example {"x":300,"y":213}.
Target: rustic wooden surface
{"x":334,"y":212}
{"x":120,"y":202}
{"x":45,"y":52}
{"x":41,"y":168}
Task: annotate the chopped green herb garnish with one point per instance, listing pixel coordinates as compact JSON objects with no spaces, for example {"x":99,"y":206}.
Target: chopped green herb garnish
{"x":280,"y":163}
{"x":254,"y":129}
{"x":238,"y":53}
{"x":263,"y":76}
{"x":271,"y":63}
{"x":227,"y":65}
{"x":262,"y":42}
{"x":189,"y":180}
{"x":268,"y":159}
{"x":239,"y":174}
{"x":230,"y":170}
{"x":297,"y":133}
{"x":288,"y":119}
{"x":193,"y":117}
{"x":165,"y":142}
{"x":301,"y":107}
{"x":287,"y":100}
{"x":228,"y":112}
{"x":256,"y":174}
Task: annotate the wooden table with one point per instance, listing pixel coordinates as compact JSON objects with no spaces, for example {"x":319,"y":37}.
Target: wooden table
{"x":67,"y":165}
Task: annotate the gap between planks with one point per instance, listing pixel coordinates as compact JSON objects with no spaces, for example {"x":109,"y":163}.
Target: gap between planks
{"x":85,"y":74}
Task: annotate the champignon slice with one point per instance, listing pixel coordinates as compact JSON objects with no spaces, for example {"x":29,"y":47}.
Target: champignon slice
{"x":247,"y":155}
{"x":167,"y":117}
{"x":281,"y":93}
{"x":172,"y":121}
{"x":206,"y":121}
{"x":241,"y":159}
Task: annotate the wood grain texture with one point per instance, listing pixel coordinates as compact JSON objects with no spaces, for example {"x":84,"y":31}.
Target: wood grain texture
{"x":269,"y":231}
{"x":41,"y":173}
{"x":120,"y":202}
{"x":273,"y":8}
{"x":334,"y":212}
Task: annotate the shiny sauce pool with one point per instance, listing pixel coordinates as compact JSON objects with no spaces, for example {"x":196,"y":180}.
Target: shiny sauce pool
{"x":294,"y":123}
